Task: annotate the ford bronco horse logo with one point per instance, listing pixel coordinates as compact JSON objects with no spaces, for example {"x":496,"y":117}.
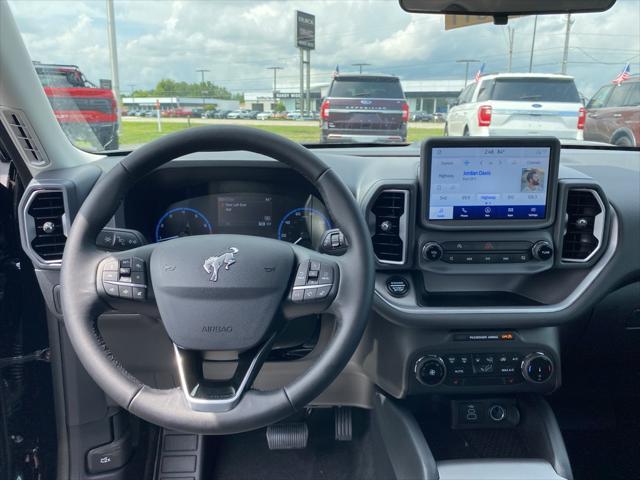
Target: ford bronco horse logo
{"x":212,"y":264}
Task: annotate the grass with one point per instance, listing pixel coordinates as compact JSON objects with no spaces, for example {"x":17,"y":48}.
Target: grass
{"x":137,"y":133}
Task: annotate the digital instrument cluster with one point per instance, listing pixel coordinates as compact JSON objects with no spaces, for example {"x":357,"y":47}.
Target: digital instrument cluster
{"x":300,"y":221}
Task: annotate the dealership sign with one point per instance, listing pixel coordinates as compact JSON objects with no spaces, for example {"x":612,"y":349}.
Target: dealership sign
{"x":305,"y":30}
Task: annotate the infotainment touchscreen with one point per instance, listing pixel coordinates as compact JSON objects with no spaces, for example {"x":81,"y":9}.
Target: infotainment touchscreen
{"x":484,"y":183}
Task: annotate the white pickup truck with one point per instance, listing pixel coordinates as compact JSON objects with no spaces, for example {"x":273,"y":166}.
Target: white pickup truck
{"x":509,"y":104}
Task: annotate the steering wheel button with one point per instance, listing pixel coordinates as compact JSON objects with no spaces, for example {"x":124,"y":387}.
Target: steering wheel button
{"x":297,"y":295}
{"x":137,"y":265}
{"x":310,"y":293}
{"x":314,"y":273}
{"x":125,"y":263}
{"x":111,"y":264}
{"x":314,"y":266}
{"x":326,"y":274}
{"x":124,"y":291}
{"x":139,"y":293}
{"x":323,"y":291}
{"x":301,"y":274}
{"x":110,"y":276}
{"x":125,"y":271}
{"x":111,"y":289}
{"x":138,"y":278}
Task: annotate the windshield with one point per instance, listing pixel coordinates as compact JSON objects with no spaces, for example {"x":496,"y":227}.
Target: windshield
{"x":331,"y":71}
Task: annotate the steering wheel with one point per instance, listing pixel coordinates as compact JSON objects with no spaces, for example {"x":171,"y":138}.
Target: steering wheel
{"x":220,"y":293}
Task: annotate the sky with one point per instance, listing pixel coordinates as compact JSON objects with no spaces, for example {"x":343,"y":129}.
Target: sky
{"x":237,"y":40}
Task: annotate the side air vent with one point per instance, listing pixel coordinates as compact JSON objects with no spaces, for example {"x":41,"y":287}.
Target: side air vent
{"x":390,"y":211}
{"x":24,"y":138}
{"x":47,"y":236}
{"x":584,"y":227}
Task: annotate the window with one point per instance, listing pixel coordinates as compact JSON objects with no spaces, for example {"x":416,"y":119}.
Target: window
{"x":359,"y":87}
{"x":535,"y":90}
{"x":618,"y":95}
{"x":633,"y":99}
{"x":599,"y":100}
{"x":486,"y":88}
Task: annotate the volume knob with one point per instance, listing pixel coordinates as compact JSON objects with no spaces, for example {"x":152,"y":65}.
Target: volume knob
{"x":431,"y":251}
{"x":542,"y":250}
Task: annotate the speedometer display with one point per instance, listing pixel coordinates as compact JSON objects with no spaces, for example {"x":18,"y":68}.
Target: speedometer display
{"x":303,"y":226}
{"x":182,"y":222}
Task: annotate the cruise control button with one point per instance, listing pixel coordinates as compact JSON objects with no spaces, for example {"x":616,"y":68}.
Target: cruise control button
{"x":139,"y":293}
{"x":326,"y":274}
{"x":125,"y":271}
{"x":313,"y":273}
{"x":125,"y":263}
{"x":125,"y":291}
{"x":297,"y":296}
{"x":322,"y":292}
{"x":314,"y":266}
{"x":301,"y":274}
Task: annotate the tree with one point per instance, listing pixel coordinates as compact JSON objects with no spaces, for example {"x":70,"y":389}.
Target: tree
{"x":279,"y":107}
{"x":170,"y":88}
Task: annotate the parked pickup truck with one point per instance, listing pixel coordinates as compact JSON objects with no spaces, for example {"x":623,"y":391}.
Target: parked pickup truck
{"x":78,"y":104}
{"x":366,"y":109}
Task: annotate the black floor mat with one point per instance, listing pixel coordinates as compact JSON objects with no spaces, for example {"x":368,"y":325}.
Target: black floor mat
{"x":247,"y":457}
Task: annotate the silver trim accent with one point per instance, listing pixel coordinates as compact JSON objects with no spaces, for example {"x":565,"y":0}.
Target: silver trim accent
{"x":403,"y":230}
{"x":29,"y":223}
{"x":598,"y":226}
{"x":544,"y":309}
{"x":305,"y":287}
{"x":221,"y":405}
{"x":125,"y":284}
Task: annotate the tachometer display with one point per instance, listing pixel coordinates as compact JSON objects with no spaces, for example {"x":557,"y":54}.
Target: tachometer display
{"x":182,"y":222}
{"x":303,"y":226}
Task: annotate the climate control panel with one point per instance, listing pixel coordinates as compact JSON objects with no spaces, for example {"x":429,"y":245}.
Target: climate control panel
{"x":487,"y":252}
{"x":462,"y":371}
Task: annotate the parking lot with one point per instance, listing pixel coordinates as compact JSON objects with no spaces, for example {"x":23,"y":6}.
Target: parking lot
{"x":135,"y":131}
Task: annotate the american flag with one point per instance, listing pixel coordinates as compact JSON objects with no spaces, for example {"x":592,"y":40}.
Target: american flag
{"x":479,"y":73}
{"x":623,"y":75}
{"x":336,"y":72}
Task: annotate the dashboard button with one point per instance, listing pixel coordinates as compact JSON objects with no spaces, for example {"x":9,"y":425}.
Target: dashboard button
{"x":397,"y":286}
{"x":542,"y":250}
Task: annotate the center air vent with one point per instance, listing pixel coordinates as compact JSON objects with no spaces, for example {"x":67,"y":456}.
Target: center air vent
{"x":390,"y":237}
{"x":47,"y":236}
{"x":584,"y":226}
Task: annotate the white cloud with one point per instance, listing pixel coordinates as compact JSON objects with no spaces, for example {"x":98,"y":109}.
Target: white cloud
{"x":237,"y":40}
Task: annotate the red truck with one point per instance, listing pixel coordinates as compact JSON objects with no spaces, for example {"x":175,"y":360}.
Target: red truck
{"x":84,"y":111}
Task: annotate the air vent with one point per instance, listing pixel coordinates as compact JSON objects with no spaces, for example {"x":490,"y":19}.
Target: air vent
{"x":584,"y":225}
{"x":47,"y":236}
{"x":24,"y":138}
{"x":390,"y":237}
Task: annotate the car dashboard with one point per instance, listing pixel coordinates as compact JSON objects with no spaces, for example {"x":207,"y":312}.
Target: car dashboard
{"x":476,"y":308}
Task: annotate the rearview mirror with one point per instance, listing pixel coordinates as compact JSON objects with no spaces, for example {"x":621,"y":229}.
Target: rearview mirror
{"x":504,"y":8}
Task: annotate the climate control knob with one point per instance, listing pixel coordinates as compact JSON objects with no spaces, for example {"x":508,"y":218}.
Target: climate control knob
{"x":430,"y":370}
{"x":537,"y":367}
{"x":542,"y":250}
{"x":431,"y":251}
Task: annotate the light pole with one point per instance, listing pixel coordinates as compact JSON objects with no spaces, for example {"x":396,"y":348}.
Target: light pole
{"x":202,"y":72}
{"x":360,"y":65}
{"x":533,"y":43}
{"x":565,"y":53}
{"x":466,"y":68}
{"x":275,"y":82}
{"x":113,"y":54}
